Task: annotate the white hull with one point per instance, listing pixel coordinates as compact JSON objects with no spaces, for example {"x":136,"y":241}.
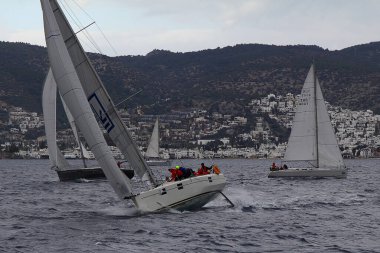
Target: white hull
{"x":187,"y":194}
{"x":309,"y":172}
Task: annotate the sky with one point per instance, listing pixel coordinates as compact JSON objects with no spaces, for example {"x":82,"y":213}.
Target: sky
{"x":136,"y":27}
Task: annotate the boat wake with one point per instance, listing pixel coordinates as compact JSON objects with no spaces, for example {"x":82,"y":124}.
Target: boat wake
{"x":248,"y":200}
{"x":83,"y":180}
{"x":120,"y":212}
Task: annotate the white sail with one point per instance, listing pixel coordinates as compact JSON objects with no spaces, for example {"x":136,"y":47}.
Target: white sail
{"x":302,"y":141}
{"x":153,"y":150}
{"x":49,"y":104}
{"x":329,"y":152}
{"x":312,"y":137}
{"x":85,"y":152}
{"x":75,"y":130}
{"x":99,"y":99}
{"x":70,"y":88}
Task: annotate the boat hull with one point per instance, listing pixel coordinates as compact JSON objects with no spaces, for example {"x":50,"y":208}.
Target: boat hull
{"x":188,"y":194}
{"x":309,"y":173}
{"x":87,"y":173}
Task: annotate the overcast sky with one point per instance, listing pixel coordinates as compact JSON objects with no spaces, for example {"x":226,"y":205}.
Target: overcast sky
{"x":138,"y":26}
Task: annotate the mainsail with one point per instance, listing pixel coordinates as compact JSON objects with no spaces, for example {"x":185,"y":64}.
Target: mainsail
{"x":70,"y":87}
{"x":312,"y":137}
{"x":99,"y":99}
{"x":153,"y":150}
{"x":49,"y":95}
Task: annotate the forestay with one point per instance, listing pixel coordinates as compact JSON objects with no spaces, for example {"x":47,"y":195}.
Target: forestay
{"x":99,"y":99}
{"x":72,"y":93}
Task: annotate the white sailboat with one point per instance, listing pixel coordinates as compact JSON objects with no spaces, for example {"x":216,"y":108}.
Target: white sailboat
{"x":65,"y":171}
{"x":152,"y":154}
{"x":312,"y":139}
{"x":85,"y":97}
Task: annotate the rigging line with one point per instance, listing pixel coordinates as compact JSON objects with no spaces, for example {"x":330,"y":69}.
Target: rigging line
{"x":71,"y":13}
{"x":77,"y":22}
{"x":85,"y":27}
{"x":74,"y":19}
{"x":134,"y":94}
{"x":109,"y":43}
{"x":101,"y":31}
{"x":86,"y":33}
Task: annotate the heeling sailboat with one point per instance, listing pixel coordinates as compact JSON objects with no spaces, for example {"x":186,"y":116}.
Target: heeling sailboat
{"x":152,"y":153}
{"x":64,"y":170}
{"x":312,"y":138}
{"x":83,"y":92}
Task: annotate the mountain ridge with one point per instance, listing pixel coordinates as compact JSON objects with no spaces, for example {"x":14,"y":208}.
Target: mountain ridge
{"x":221,"y":79}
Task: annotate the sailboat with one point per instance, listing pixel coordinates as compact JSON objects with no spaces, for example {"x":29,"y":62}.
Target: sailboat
{"x":152,"y":154}
{"x":312,"y":139}
{"x":89,"y":103}
{"x":65,"y":171}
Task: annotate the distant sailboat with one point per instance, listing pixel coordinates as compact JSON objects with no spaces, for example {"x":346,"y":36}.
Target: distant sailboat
{"x":152,"y":154}
{"x":86,"y":97}
{"x":312,"y":139}
{"x":65,"y":171}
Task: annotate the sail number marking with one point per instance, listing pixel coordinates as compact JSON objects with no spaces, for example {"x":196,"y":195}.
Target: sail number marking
{"x":305,"y":97}
{"x":101,"y":113}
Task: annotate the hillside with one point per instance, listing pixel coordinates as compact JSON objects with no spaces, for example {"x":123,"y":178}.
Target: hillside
{"x":222,"y":79}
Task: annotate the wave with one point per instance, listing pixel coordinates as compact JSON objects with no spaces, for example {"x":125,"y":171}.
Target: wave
{"x":249,"y":200}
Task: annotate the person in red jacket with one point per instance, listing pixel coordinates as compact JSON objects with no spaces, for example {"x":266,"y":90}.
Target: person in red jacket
{"x":176,"y":174}
{"x":203,"y":170}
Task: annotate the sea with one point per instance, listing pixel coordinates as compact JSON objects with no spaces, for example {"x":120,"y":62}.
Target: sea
{"x":38,"y":213}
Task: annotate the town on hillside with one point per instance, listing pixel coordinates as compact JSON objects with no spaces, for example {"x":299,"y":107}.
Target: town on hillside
{"x":260,"y":131}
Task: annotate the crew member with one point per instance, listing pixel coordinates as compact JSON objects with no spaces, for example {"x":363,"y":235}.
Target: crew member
{"x":203,"y":170}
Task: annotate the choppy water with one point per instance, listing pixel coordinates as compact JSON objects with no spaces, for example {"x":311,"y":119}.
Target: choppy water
{"x":40,"y":214}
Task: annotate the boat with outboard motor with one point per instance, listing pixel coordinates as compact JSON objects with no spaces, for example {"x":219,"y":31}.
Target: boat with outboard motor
{"x":89,"y":103}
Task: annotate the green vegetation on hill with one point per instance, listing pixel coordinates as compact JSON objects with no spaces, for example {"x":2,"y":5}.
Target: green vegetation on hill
{"x":222,"y":79}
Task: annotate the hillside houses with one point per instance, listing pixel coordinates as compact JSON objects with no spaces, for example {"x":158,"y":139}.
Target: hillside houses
{"x":195,"y":133}
{"x":22,"y":121}
{"x":353,"y":128}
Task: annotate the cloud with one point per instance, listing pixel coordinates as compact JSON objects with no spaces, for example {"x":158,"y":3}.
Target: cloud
{"x":139,"y":26}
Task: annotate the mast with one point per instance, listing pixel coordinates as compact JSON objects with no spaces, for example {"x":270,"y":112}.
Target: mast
{"x":316,"y":113}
